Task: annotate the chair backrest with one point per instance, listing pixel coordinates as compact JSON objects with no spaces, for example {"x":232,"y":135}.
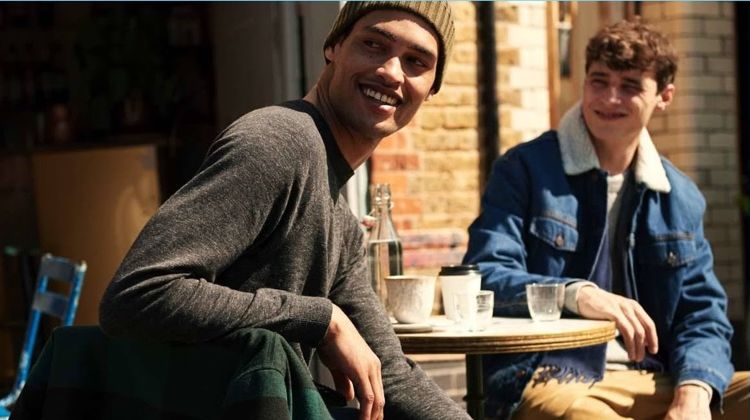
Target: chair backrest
{"x":62,"y":306}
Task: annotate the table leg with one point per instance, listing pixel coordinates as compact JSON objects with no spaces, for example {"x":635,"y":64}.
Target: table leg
{"x":474,"y":386}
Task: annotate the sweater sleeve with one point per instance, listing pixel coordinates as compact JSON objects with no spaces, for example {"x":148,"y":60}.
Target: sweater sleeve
{"x":409,"y":392}
{"x":165,"y":288}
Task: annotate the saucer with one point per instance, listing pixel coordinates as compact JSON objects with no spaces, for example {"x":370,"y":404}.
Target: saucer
{"x":411,"y":328}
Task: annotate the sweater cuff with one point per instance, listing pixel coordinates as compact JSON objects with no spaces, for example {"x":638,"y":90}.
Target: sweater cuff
{"x":310,"y":318}
{"x":571,"y":294}
{"x":699,"y":383}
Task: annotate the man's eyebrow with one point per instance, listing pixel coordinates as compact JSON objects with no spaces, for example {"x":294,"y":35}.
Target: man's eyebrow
{"x":391,"y":36}
{"x":599,"y":74}
{"x":632,"y":80}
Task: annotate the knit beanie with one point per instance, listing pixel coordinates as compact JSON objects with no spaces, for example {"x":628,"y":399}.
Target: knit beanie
{"x":436,"y":13}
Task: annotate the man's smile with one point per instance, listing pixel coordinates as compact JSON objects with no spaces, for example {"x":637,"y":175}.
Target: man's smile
{"x":612,"y":115}
{"x":381,"y":97}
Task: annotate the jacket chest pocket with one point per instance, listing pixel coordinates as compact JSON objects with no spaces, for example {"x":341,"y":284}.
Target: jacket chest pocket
{"x":672,"y":250}
{"x":663,"y":261}
{"x":554,"y":241}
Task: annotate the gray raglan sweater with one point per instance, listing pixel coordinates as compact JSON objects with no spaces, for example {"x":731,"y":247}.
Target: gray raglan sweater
{"x":262,"y":237}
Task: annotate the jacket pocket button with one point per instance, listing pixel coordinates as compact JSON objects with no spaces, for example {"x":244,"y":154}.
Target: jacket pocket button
{"x":671,"y":258}
{"x":559,"y":241}
{"x":520,"y":374}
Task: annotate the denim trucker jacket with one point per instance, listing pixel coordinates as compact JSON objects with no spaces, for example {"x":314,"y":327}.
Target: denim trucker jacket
{"x":543,"y":218}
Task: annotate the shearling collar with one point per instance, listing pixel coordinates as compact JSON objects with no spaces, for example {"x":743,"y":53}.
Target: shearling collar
{"x":579,"y":156}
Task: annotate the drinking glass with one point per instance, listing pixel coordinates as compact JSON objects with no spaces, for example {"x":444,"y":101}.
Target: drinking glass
{"x":545,"y":301}
{"x":474,"y":309}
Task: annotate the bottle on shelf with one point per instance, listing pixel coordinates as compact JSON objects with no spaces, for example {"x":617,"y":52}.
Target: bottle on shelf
{"x":384,"y":252}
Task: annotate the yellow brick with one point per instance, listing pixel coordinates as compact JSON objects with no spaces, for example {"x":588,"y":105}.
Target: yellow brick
{"x":505,"y":12}
{"x":442,"y":221}
{"x":690,"y":9}
{"x":519,"y":77}
{"x":454,"y":95}
{"x":727,"y":10}
{"x":527,"y":37}
{"x":697,"y":45}
{"x":720,"y":65}
{"x":466,"y":31}
{"x":463,"y":10}
{"x":447,"y":161}
{"x":700,"y":121}
{"x":533,"y":58}
{"x":430,"y":182}
{"x":510,"y":138}
{"x":466,"y":139}
{"x":730,"y":84}
{"x":719,"y":27}
{"x":461,"y":74}
{"x":727,"y":48}
{"x":692,"y":66}
{"x":461,"y":118}
{"x":511,"y":97}
{"x":452,"y":203}
{"x":652,"y":11}
{"x":692,"y":84}
{"x":509,"y":56}
{"x":532,"y":14}
{"x":429,"y":118}
{"x":465,"y":53}
{"x":680,"y":26}
{"x":536,"y":99}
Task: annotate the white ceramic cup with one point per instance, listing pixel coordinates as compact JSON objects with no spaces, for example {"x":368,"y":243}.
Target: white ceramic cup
{"x":410,"y":298}
{"x":458,"y":279}
{"x":545,"y":301}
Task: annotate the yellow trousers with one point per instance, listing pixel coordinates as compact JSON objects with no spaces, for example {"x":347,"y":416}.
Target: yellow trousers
{"x":624,"y":394}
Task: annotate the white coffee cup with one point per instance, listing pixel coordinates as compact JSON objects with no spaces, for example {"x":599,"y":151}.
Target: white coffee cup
{"x":458,"y":279}
{"x":410,"y":298}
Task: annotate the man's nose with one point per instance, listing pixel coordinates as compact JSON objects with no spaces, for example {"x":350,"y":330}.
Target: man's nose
{"x":391,"y":71}
{"x":613,"y":95}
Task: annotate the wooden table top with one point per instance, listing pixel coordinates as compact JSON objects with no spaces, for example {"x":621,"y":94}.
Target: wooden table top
{"x":508,"y":335}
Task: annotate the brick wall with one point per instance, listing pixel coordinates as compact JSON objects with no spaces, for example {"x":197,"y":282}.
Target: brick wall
{"x":521,"y":38}
{"x":698,"y":133}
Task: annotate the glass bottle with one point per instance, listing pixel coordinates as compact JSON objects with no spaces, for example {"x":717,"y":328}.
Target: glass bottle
{"x":384,"y":254}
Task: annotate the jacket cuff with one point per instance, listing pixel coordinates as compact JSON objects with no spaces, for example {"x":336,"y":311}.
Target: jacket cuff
{"x":571,"y":294}
{"x":707,"y":376}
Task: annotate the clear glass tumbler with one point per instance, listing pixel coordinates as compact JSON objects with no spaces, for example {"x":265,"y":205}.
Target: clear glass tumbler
{"x":474,"y":309}
{"x":545,"y":300}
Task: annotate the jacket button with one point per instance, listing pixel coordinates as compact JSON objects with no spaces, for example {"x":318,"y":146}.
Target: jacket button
{"x":559,"y":240}
{"x":671,"y":258}
{"x":520,"y":374}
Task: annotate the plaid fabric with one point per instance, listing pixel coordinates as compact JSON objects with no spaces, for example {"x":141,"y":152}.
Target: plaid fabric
{"x":250,"y":374}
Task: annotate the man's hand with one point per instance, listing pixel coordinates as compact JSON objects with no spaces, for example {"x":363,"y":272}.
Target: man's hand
{"x":353,"y":365}
{"x":690,"y":403}
{"x":636,"y":327}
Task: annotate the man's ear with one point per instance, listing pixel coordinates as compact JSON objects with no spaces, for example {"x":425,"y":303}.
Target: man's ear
{"x":328,"y":53}
{"x":665,"y":97}
{"x":429,"y":95}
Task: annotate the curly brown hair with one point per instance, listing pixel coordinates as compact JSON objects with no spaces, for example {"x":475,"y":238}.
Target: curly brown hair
{"x":628,"y":45}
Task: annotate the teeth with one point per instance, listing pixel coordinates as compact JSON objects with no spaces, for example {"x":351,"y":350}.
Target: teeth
{"x":380,"y":97}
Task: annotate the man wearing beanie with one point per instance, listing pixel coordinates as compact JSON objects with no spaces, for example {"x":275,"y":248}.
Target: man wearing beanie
{"x":262,"y":237}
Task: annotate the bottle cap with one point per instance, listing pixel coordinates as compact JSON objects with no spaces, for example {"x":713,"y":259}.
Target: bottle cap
{"x":459,"y":270}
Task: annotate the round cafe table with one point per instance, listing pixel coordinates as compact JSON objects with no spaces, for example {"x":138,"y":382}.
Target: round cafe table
{"x":502,"y":335}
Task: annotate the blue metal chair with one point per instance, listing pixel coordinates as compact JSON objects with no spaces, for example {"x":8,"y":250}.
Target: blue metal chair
{"x":46,"y":302}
